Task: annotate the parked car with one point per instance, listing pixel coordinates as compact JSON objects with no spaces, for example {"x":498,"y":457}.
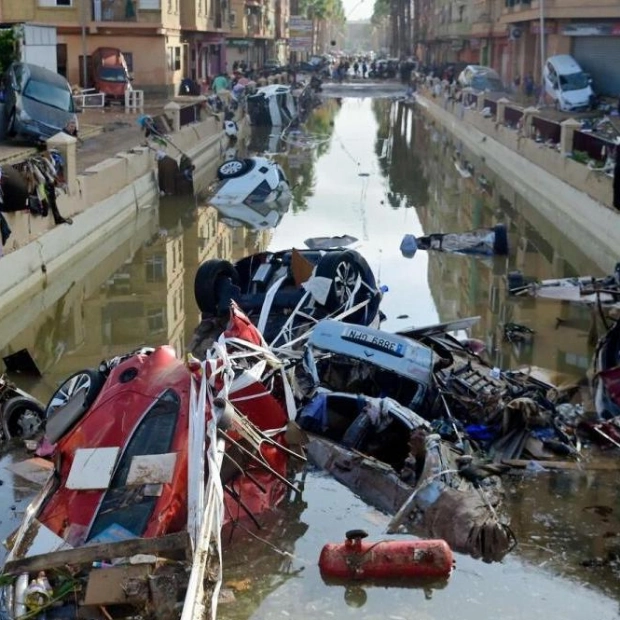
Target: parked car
{"x":567,"y":86}
{"x":109,"y":73}
{"x":38,"y":102}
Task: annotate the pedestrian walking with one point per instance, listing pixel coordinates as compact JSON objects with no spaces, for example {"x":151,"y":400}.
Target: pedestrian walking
{"x":365,"y":71}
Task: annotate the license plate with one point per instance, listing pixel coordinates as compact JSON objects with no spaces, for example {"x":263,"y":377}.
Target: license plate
{"x":380,"y":343}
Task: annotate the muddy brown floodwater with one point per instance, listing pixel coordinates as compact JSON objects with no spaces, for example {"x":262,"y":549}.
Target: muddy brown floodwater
{"x":375,"y":170}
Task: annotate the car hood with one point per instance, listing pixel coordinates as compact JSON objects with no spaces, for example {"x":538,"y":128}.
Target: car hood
{"x":50,"y":120}
{"x":577,"y":97}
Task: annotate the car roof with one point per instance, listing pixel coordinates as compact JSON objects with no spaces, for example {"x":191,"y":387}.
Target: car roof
{"x":41,"y":74}
{"x":564,"y":62}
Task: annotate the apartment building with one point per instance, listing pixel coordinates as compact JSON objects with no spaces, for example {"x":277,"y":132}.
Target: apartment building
{"x":506,"y":34}
{"x":259,"y":32}
{"x":163,"y":41}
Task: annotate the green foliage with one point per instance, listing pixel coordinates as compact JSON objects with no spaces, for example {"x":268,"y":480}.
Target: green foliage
{"x":8,"y":48}
{"x":580,"y":156}
{"x":381,"y":11}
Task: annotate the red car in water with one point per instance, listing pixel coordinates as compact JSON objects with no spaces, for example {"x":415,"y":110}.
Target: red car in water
{"x":138,"y":406}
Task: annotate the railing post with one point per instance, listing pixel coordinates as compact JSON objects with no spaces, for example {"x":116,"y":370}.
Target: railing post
{"x":66,"y":145}
{"x":173,"y":109}
{"x":528,"y":118}
{"x":501,"y":110}
{"x":480,"y":102}
{"x":568,"y":129}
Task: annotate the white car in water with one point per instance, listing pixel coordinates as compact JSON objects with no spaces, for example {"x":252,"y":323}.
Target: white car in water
{"x":250,"y":181}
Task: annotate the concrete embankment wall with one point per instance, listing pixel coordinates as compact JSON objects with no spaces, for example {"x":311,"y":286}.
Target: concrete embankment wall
{"x":537,"y":172}
{"x":105,"y":198}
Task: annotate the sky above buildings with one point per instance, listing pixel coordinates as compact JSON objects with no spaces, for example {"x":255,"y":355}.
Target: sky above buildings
{"x":358,"y":9}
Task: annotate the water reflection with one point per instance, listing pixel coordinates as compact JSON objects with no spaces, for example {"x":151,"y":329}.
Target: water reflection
{"x":138,"y":289}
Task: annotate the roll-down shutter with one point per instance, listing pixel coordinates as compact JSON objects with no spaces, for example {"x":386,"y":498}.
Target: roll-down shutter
{"x":599,"y":57}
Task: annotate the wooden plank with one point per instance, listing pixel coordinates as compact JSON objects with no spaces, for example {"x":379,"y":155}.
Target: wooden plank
{"x":566,"y":465}
{"x":90,"y":553}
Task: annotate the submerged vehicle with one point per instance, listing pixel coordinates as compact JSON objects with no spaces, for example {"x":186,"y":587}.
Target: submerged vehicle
{"x":510,"y":415}
{"x":287,"y":292}
{"x":486,"y":241}
{"x":254,"y":216}
{"x":606,"y":376}
{"x":389,"y":456}
{"x":273,"y":105}
{"x":132,"y":511}
{"x":581,"y":289}
{"x":20,"y":413}
{"x":250,"y":181}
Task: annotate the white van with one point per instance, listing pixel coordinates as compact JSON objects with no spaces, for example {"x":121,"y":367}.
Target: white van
{"x":566,"y":84}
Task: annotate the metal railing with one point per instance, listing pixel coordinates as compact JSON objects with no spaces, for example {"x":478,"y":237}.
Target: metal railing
{"x":89,"y":98}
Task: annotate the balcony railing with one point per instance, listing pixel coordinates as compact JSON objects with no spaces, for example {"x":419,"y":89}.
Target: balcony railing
{"x":115,"y":10}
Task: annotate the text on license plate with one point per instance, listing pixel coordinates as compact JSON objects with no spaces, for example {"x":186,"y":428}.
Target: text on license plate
{"x":376,"y":342}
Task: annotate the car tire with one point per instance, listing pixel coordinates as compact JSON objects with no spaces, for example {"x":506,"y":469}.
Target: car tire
{"x":232,"y":169}
{"x":10,"y":125}
{"x":343,"y":268}
{"x":88,"y":381}
{"x":206,"y":283}
{"x":22,"y":418}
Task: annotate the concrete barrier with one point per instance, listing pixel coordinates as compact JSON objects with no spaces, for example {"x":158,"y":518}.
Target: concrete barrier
{"x":540,"y":174}
{"x":99,"y":201}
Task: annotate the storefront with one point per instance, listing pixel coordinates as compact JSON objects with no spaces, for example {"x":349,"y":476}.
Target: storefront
{"x":596,"y":47}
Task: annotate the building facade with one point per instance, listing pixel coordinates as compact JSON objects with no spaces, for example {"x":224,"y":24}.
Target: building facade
{"x":506,"y":35}
{"x":163,"y":41}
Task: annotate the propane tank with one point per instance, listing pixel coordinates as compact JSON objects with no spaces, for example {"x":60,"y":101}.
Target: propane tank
{"x":385,"y":559}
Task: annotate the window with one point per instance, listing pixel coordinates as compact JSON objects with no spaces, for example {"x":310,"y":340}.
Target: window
{"x":155,"y":269}
{"x":150,"y":5}
{"x":156,"y":320}
{"x":48,"y":3}
{"x":174,"y":58}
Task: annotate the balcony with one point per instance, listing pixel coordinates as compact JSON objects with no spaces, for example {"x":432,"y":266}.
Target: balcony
{"x":118,"y":10}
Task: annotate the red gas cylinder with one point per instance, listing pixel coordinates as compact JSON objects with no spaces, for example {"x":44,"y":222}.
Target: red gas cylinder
{"x":385,"y":559}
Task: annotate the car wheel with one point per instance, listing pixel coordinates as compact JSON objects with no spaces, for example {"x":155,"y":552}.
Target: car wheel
{"x":206,"y":283}
{"x":10,"y":125}
{"x":343,"y":269}
{"x":22,"y":418}
{"x":232,"y":169}
{"x":88,"y":382}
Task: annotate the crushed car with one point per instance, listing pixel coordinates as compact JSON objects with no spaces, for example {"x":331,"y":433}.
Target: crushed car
{"x":151,"y":456}
{"x":250,"y":181}
{"x":286,"y":292}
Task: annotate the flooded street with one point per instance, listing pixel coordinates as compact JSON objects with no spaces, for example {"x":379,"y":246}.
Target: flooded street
{"x":374,"y":169}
